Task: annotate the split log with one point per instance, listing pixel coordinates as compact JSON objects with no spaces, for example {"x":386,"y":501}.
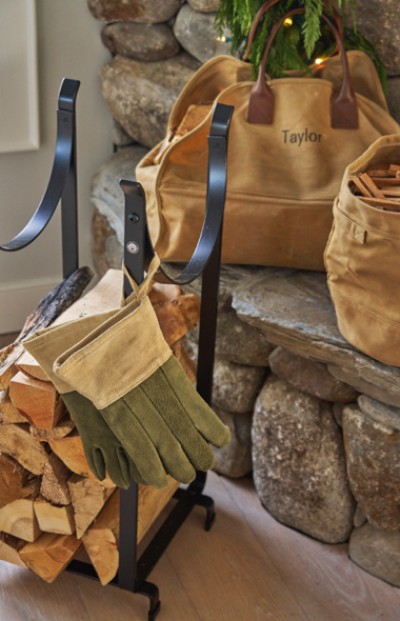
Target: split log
{"x":16,"y":441}
{"x":88,"y":497}
{"x":8,"y":358}
{"x":101,"y":541}
{"x":50,"y":307}
{"x":178,"y":316}
{"x":105,"y":296}
{"x":28,"y":365}
{"x":38,"y":400}
{"x":163,"y":292}
{"x":70,"y":451}
{"x":18,"y":519}
{"x":54,"y":481}
{"x":50,"y":554}
{"x":8,"y":411}
{"x":10,"y":548}
{"x":101,"y":538}
{"x":186,"y":362}
{"x":15,"y":481}
{"x":63,"y":428}
{"x":151,"y":502}
{"x":53,"y":519}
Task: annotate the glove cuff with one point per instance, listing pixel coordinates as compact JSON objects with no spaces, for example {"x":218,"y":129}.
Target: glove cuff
{"x":117,"y":357}
{"x":48,"y":344}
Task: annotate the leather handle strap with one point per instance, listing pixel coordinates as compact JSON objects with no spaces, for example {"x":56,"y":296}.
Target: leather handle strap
{"x":344,"y":112}
{"x":268,"y":5}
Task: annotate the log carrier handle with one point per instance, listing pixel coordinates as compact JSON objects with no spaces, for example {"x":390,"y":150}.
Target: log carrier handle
{"x":266,"y":7}
{"x":344,"y":112}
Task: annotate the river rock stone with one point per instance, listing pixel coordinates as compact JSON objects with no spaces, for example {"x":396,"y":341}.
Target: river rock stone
{"x":373,"y":467}
{"x":107,"y":197}
{"x":235,"y":459}
{"x":310,"y":377}
{"x":141,"y":95}
{"x":377,"y":552}
{"x":197,"y":34}
{"x":144,"y":42}
{"x":293,"y":309}
{"x":380,"y":412}
{"x":107,"y":251}
{"x":377,"y":21}
{"x":240,"y":343}
{"x":394,"y":97}
{"x":119,"y":136}
{"x":205,"y":6}
{"x":387,"y":395}
{"x":338,"y":413}
{"x":145,"y":11}
{"x":236,"y":386}
{"x":359,"y":517}
{"x":298,"y":463}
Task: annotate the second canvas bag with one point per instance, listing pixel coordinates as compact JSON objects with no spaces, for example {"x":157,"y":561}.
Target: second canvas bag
{"x":290,"y":142}
{"x":362,"y":253}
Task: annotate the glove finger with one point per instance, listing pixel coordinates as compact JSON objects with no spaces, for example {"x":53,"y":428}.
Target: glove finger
{"x":128,"y":468}
{"x":203,"y":417}
{"x":136,"y":443}
{"x":171,"y":453}
{"x":158,"y":391}
{"x":96,"y":461}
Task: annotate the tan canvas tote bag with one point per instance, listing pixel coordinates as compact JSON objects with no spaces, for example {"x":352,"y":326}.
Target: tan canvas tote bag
{"x":361,"y":259}
{"x":290,"y":141}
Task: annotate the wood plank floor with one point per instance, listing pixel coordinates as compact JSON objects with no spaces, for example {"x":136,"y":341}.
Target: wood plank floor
{"x":247,"y":568}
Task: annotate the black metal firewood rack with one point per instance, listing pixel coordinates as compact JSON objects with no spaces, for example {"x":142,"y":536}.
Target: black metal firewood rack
{"x":62,"y":188}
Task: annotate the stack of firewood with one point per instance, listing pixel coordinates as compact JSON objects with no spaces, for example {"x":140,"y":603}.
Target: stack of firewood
{"x":51,"y":505}
{"x":379,"y":187}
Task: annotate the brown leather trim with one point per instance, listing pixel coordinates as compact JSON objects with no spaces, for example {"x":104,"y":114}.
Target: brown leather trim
{"x":344,"y":112}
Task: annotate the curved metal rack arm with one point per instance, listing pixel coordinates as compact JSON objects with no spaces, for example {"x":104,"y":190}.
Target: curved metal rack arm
{"x":62,"y":185}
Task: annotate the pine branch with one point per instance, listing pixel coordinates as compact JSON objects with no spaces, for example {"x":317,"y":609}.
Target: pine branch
{"x":311,"y":24}
{"x":293,"y":46}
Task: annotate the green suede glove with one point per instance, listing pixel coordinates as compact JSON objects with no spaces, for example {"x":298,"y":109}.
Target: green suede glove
{"x":127,"y":370}
{"x":103,"y":451}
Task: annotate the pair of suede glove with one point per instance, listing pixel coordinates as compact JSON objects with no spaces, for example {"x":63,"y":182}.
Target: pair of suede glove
{"x":138,"y":414}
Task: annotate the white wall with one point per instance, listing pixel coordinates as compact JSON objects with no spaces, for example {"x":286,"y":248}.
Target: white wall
{"x":69,"y":45}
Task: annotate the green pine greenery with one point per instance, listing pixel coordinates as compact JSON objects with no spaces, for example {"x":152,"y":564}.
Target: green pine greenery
{"x":295,"y":46}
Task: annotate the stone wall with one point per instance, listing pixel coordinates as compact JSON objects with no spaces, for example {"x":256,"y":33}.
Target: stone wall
{"x":320,"y":419}
{"x":317,"y":422}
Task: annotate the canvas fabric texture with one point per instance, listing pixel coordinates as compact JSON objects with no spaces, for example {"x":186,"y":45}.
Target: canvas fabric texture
{"x":360,"y":259}
{"x":282,"y":178}
{"x":124,"y":351}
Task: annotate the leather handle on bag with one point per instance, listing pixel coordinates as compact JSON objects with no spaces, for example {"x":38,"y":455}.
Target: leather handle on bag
{"x":344,"y":112}
{"x":267,"y":6}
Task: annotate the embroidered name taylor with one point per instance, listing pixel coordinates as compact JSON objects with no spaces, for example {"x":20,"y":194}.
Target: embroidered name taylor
{"x":299,"y":138}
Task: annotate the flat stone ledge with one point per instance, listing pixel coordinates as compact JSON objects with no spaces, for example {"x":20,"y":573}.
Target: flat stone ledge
{"x":293,"y":309}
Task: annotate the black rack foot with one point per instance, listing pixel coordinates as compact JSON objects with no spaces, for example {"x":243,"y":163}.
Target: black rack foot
{"x":151,"y":591}
{"x":208,"y":503}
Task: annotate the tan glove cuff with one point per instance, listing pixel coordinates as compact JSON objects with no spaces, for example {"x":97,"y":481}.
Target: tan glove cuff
{"x":48,"y":344}
{"x":116,"y":357}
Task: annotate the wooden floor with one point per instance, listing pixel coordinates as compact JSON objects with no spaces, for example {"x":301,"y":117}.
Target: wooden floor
{"x":247,"y":568}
